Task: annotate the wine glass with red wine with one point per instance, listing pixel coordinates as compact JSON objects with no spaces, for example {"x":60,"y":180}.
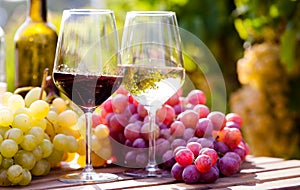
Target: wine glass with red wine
{"x":87,"y":71}
{"x":153,"y":70}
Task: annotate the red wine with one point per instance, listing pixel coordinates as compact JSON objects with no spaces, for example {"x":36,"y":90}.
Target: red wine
{"x":87,"y":90}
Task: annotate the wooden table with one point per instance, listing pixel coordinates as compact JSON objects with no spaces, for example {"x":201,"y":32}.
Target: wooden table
{"x":256,"y":173}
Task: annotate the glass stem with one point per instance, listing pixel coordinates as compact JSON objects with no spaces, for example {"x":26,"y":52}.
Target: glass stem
{"x":88,"y":145}
{"x":152,"y":165}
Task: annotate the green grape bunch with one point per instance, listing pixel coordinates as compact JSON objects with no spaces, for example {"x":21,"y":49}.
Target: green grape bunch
{"x":263,"y":102}
{"x":30,"y":140}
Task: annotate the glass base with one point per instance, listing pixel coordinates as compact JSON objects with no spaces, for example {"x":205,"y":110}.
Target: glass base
{"x":143,"y":173}
{"x":88,"y":177}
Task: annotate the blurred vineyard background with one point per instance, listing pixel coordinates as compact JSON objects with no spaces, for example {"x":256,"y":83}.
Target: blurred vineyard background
{"x":256,"y":44}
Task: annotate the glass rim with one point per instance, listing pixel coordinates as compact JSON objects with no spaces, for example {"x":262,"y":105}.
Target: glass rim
{"x":87,"y":11}
{"x":152,"y":13}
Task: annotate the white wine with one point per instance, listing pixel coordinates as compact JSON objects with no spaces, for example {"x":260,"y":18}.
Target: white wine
{"x":152,"y":85}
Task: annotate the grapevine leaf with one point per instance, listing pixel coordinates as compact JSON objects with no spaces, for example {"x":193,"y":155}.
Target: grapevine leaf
{"x":238,"y":23}
{"x":287,"y":48}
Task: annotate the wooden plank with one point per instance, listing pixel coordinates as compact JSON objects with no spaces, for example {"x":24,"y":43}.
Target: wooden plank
{"x":247,"y":180}
{"x":249,"y":167}
{"x":293,"y":183}
{"x":262,"y":160}
{"x":254,"y":173}
{"x":51,"y":180}
{"x":123,"y":184}
{"x":238,"y":179}
{"x":278,"y":174}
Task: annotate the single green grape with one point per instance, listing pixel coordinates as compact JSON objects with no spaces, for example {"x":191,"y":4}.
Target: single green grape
{"x":38,"y":153}
{"x":101,"y":131}
{"x":67,"y":118}
{"x":55,"y":157}
{"x":38,"y":132}
{"x":52,"y":117}
{"x":72,"y":145}
{"x":24,"y":110}
{"x":6,"y":117}
{"x":29,"y":143}
{"x":15,"y":102}
{"x":60,"y":142}
{"x":8,"y":148}
{"x":25,"y":159}
{"x":4,"y":178}
{"x":7,"y":162}
{"x":15,"y":134}
{"x":5,"y":97}
{"x":96,"y":145}
{"x":47,"y":148}
{"x":39,"y":109}
{"x":42,"y":123}
{"x":3,"y":130}
{"x":59,"y":104}
{"x":22,"y":121}
{"x":26,"y":177}
{"x":15,"y":173}
{"x":42,"y":167}
{"x":33,"y":95}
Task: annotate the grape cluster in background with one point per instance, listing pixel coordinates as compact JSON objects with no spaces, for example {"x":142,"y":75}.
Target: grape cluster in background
{"x":269,"y":73}
{"x":191,"y":140}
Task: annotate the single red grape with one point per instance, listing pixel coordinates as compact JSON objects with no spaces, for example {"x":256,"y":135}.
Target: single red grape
{"x":228,"y":165}
{"x":189,"y":118}
{"x":177,"y":142}
{"x":165,"y":114}
{"x":211,"y":153}
{"x":132,"y":131}
{"x":184,"y":157}
{"x":195,"y":147}
{"x":190,"y":174}
{"x":211,"y":176}
{"x":218,"y":119}
{"x":204,"y":128}
{"x":119,"y":103}
{"x":196,"y":97}
{"x":203,"y":163}
{"x":168,"y":159}
{"x":234,"y":117}
{"x":177,"y":171}
{"x":142,"y":111}
{"x":162,"y":146}
{"x":202,"y":110}
{"x":177,"y":129}
{"x":188,"y":134}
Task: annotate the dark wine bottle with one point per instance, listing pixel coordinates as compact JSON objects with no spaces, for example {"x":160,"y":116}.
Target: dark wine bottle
{"x":35,"y":46}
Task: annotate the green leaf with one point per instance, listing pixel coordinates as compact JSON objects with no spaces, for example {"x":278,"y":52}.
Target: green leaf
{"x":288,"y":47}
{"x":274,"y":12}
{"x":242,"y":31}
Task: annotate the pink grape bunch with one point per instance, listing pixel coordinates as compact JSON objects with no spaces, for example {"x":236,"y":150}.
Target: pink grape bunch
{"x":189,"y":136}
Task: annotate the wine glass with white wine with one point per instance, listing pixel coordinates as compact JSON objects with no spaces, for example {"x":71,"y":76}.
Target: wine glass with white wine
{"x":153,"y":69}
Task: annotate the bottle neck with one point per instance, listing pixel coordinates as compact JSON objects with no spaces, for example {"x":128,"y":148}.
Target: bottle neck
{"x":37,"y":10}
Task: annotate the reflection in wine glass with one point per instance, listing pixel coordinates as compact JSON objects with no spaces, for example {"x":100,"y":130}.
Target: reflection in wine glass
{"x":87,"y":71}
{"x":153,"y":68}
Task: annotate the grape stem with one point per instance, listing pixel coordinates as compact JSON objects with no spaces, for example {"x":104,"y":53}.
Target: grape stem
{"x":43,"y":85}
